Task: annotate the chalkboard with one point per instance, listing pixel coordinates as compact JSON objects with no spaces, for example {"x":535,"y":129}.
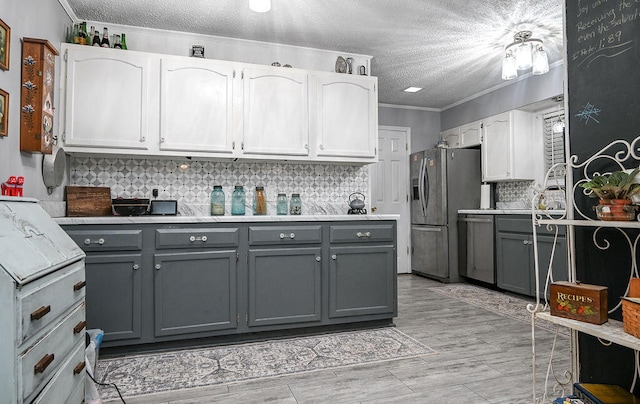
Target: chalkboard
{"x":603,"y":64}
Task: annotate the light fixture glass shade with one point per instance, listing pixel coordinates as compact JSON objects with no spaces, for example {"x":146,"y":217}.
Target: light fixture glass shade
{"x":260,"y":6}
{"x":523,"y":56}
{"x":540,"y":61}
{"x":509,"y":68}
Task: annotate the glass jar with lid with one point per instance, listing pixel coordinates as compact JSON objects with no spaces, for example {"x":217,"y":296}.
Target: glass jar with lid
{"x":217,"y":201}
{"x":282,"y":207}
{"x":238,"y":201}
{"x":295,"y":206}
{"x":259,"y":202}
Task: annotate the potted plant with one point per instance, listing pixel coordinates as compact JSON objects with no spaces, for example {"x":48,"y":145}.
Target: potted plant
{"x":614,"y":191}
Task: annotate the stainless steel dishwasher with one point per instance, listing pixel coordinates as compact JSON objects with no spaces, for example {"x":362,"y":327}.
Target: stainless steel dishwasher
{"x":476,"y":247}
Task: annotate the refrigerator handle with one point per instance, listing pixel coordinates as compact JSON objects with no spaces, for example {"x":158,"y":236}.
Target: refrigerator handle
{"x":421,"y":187}
{"x":424,"y":197}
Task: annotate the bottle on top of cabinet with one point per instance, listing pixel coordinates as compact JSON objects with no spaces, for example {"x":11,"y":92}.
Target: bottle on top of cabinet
{"x":259,"y":202}
{"x":238,"y":200}
{"x":217,"y":201}
{"x":105,"y":38}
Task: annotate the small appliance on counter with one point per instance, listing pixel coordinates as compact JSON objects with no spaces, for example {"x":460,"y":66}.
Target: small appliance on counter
{"x":130,"y":206}
{"x":356,"y":205}
{"x":163,"y":207}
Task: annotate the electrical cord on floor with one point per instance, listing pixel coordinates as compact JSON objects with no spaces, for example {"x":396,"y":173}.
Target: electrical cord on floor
{"x":107,"y":384}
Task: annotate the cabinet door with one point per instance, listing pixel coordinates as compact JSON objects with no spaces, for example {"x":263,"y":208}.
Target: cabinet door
{"x":362,"y":280}
{"x":513,"y":255}
{"x":471,"y":134}
{"x":276,"y":112}
{"x":107,"y":98}
{"x":114,"y":294}
{"x":196,"y":105}
{"x":496,"y":148}
{"x":559,"y":265}
{"x":452,"y":137}
{"x":270,"y":303}
{"x":194,"y":292}
{"x":346,"y":114}
{"x":480,"y":261}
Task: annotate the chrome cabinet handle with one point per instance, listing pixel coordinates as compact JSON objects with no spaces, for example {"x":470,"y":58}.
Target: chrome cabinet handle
{"x":194,"y":238}
{"x":365,"y":234}
{"x":282,"y":236}
{"x":87,"y":241}
{"x":318,"y":258}
{"x":291,"y":236}
{"x":333,"y":257}
{"x":158,"y":266}
{"x":136,"y":267}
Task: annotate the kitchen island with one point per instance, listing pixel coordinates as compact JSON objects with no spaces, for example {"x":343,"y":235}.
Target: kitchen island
{"x":162,"y":280}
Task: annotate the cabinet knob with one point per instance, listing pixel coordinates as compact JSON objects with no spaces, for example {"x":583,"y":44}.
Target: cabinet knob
{"x":333,"y":257}
{"x":158,"y":266}
{"x":318,"y":258}
{"x":321,"y":147}
{"x":136,"y":267}
{"x":282,"y":236}
{"x":292,"y":236}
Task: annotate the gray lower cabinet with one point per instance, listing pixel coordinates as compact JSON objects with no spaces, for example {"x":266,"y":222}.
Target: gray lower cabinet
{"x":515,"y":254}
{"x":476,"y":247}
{"x":150,"y":283}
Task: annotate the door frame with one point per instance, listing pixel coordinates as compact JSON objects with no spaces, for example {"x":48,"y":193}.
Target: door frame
{"x":403,"y":227}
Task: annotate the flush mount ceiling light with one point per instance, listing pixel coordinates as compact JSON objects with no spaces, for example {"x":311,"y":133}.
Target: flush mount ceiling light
{"x":412,"y":89}
{"x":522,"y":54}
{"x":260,"y":6}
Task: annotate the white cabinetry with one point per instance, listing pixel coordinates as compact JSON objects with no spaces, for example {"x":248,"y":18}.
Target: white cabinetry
{"x":107,"y":99}
{"x":196,"y":105}
{"x":346,"y":117}
{"x":452,"y":137}
{"x":507,"y":147}
{"x":471,"y":134}
{"x":275,"y":112}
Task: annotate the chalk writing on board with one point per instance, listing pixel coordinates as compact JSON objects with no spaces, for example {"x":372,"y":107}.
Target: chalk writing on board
{"x":588,"y":113}
{"x":607,"y":52}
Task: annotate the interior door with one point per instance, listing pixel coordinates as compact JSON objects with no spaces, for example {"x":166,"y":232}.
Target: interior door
{"x":390,"y":185}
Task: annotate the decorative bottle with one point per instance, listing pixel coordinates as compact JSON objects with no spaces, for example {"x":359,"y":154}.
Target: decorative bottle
{"x":117,"y":44}
{"x":105,"y":38}
{"x":96,"y":38}
{"x":259,"y":202}
{"x":282,"y":205}
{"x":124,"y":42}
{"x":217,"y":201}
{"x":238,"y":200}
{"x":295,"y":206}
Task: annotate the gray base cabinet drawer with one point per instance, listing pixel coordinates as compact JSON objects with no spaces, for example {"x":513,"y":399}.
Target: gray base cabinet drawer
{"x":196,"y":238}
{"x":107,"y":240}
{"x":285,"y":235}
{"x":361,"y":233}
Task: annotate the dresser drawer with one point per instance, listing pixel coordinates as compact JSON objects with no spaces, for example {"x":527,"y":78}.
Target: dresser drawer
{"x":40,"y":361}
{"x":285,"y":235}
{"x":70,"y":378}
{"x":107,"y":240}
{"x":43,"y":301}
{"x":361,"y":233}
{"x":196,"y":238}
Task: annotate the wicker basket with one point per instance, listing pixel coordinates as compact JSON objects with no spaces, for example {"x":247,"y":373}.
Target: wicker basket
{"x":631,"y":309}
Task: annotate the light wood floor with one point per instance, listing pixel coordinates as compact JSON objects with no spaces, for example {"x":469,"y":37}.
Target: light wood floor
{"x":482,"y":357}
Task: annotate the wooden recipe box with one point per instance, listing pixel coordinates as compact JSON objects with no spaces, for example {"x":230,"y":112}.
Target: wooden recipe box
{"x":579,"y":301}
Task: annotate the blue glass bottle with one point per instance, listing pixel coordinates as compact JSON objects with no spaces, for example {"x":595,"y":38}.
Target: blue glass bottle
{"x":238,"y":201}
{"x":282,"y":207}
{"x":217,"y":201}
{"x":295,"y":206}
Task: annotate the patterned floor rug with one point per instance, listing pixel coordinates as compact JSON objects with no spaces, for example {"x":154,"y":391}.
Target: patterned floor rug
{"x":157,"y":372}
{"x":496,"y":302}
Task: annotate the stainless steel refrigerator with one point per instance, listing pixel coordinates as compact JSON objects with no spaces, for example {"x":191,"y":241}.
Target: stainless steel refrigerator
{"x":442,"y":181}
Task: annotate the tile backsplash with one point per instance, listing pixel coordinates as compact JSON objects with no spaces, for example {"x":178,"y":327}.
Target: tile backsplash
{"x":323,"y":188}
{"x":518,"y":195}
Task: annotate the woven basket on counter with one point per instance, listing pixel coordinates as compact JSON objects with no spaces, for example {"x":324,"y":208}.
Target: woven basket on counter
{"x":631,"y":309}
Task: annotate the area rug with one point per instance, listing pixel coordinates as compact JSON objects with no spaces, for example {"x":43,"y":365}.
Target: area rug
{"x":157,"y":372}
{"x":497,"y":302}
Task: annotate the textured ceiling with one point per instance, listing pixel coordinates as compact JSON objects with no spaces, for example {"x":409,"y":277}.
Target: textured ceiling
{"x":451,"y":48}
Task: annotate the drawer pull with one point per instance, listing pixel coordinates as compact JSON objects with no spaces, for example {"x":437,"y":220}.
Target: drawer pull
{"x":41,"y":312}
{"x":291,"y":236}
{"x":158,"y":266}
{"x":365,"y":234}
{"x":318,"y":258}
{"x":282,"y":236}
{"x":333,"y":257}
{"x":136,"y":267}
{"x":79,"y":367}
{"x":43,"y":363}
{"x":194,"y":238}
{"x":79,"y":327}
{"x":87,"y":241}
{"x":79,"y":285}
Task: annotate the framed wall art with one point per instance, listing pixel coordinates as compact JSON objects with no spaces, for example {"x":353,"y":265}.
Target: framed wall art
{"x":5,"y":41}
{"x":4,"y":113}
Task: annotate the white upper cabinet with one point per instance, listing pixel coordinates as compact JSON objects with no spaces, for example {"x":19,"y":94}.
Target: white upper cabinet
{"x":196,"y":105}
{"x":275,"y":112}
{"x":452,"y":137}
{"x":346,"y":117}
{"x":507,"y":147}
{"x":107,"y":98}
{"x":471,"y":134}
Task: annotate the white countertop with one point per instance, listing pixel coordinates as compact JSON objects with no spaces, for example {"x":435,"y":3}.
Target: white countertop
{"x":216,"y":219}
{"x":554,"y":212}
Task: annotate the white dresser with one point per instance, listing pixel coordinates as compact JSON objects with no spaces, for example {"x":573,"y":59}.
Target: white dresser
{"x":42,"y":309}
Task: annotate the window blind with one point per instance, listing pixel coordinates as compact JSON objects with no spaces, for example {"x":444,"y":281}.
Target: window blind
{"x":553,"y":138}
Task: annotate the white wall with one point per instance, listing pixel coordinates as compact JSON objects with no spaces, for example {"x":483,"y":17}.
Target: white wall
{"x":424,"y":124}
{"x":34,"y":19}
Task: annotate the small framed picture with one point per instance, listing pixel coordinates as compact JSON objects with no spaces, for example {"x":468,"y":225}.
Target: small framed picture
{"x":5,"y":41}
{"x":4,"y":113}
